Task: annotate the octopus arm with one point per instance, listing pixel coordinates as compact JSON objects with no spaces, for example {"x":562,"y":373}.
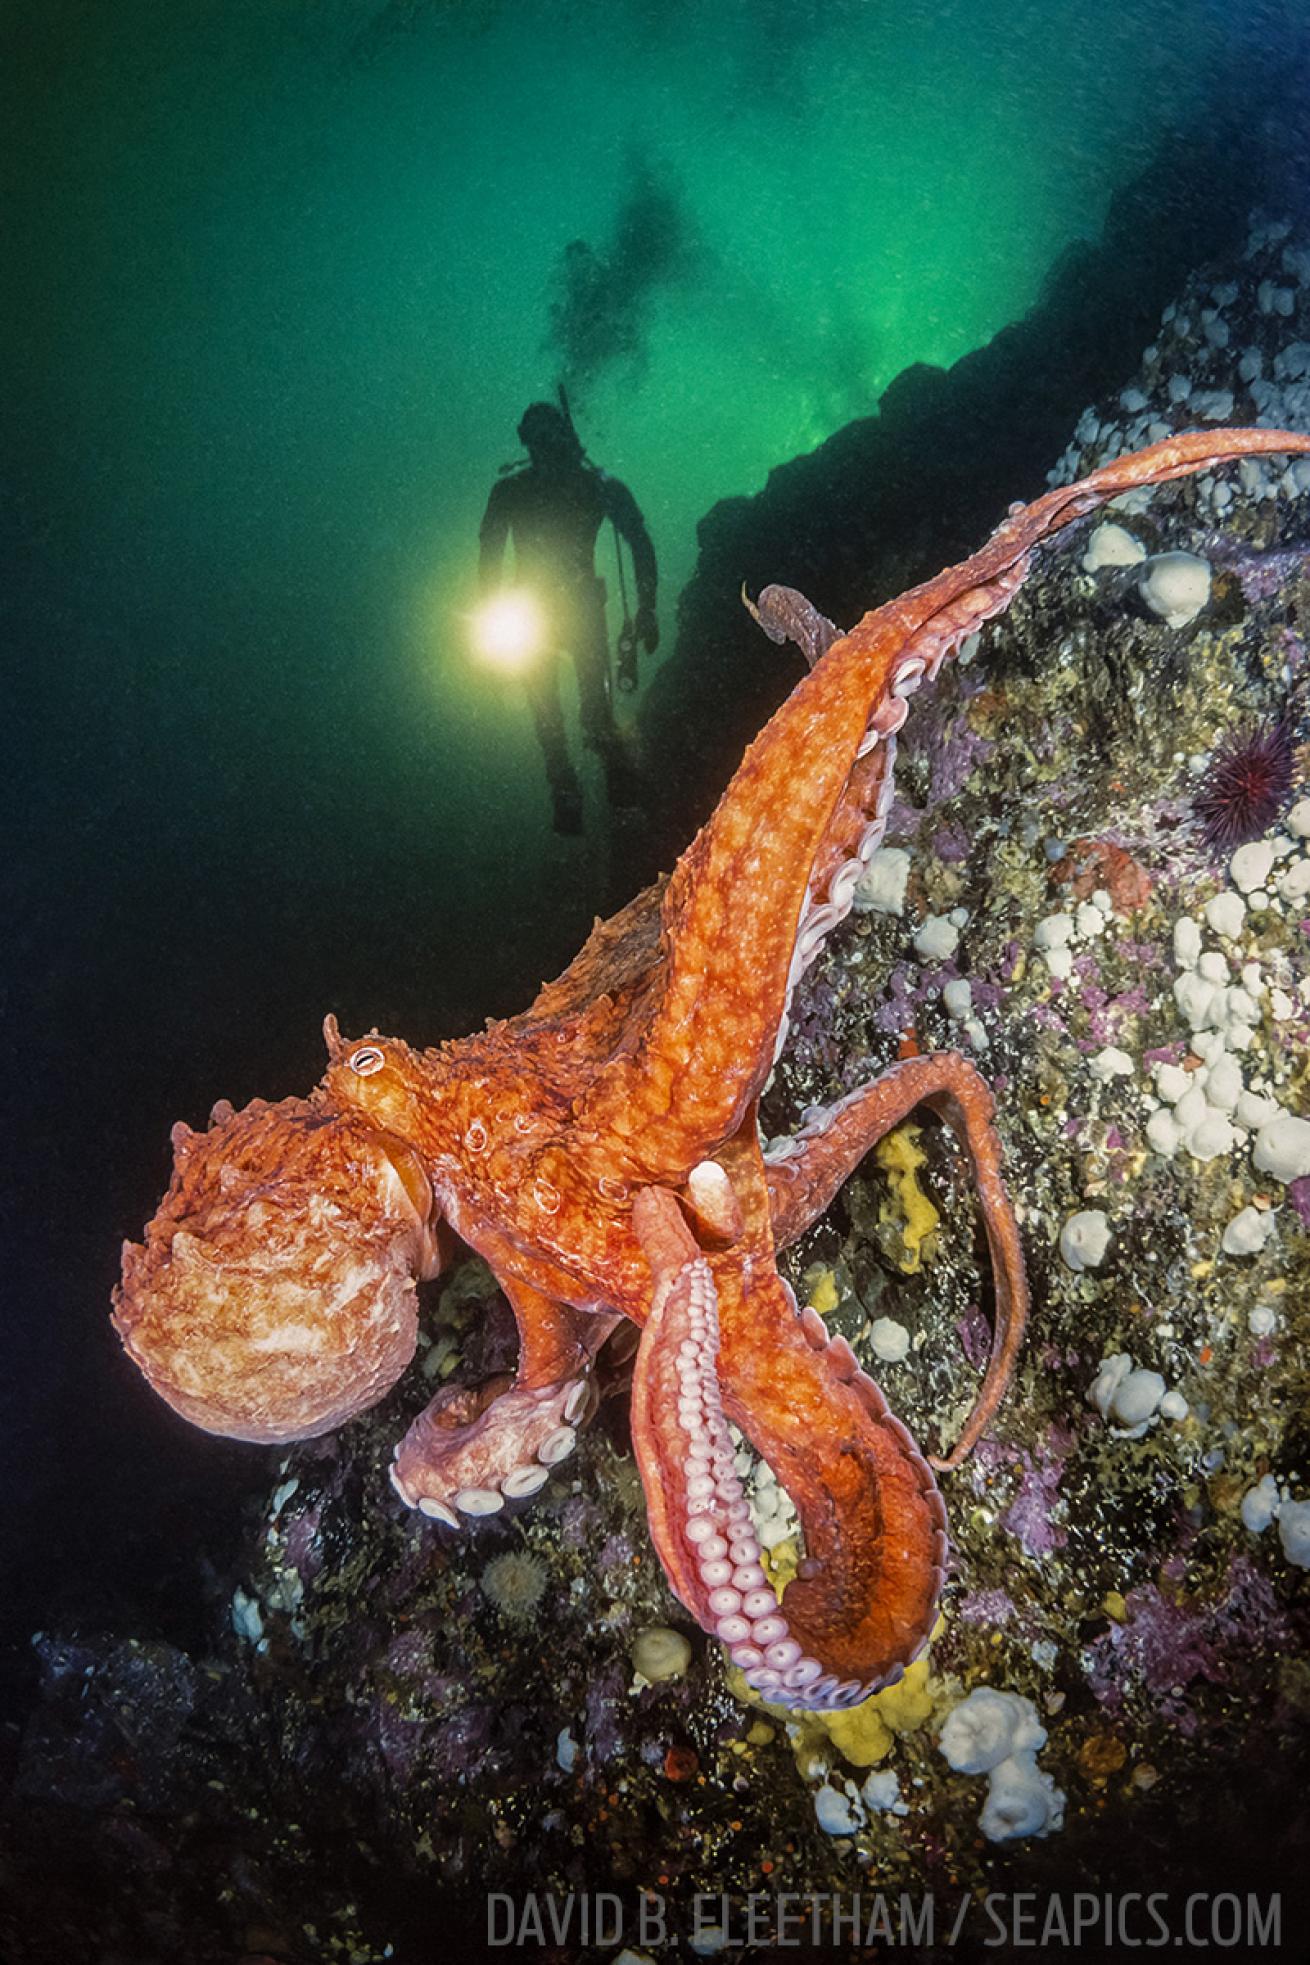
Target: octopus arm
{"x":475,"y":1447}
{"x":723,"y":1341}
{"x":797,"y":810}
{"x":832,"y":1146}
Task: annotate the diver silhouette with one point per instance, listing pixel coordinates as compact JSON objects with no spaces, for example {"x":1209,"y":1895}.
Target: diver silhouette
{"x":553,"y":508}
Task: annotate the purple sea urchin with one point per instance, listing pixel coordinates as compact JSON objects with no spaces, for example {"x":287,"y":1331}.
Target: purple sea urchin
{"x":1246,"y":784}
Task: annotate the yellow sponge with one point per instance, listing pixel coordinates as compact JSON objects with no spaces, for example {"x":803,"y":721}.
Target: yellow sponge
{"x":910,"y":1211}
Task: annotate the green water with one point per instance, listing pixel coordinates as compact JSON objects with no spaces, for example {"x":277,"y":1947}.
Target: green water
{"x":288,"y":272}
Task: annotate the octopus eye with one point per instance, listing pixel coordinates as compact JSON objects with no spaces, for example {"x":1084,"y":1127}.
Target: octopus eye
{"x":366,"y":1060}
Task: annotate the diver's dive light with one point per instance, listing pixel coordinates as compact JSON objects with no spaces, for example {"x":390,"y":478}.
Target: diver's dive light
{"x":508,"y":630}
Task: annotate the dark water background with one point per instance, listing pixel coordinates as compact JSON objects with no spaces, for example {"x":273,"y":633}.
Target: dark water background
{"x":281,"y":280}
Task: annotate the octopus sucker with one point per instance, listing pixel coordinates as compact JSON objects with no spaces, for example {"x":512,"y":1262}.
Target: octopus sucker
{"x":601,"y":1152}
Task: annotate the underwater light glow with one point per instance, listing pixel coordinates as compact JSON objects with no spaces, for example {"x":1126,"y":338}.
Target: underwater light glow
{"x":508,"y":630}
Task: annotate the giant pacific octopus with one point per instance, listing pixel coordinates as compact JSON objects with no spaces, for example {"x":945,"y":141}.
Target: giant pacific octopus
{"x":601,"y":1152}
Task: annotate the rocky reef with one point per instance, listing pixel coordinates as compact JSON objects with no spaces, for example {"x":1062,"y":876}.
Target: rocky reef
{"x":892,"y":497}
{"x":393,"y":1720}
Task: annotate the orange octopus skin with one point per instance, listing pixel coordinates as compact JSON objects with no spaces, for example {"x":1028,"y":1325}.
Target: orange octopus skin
{"x":601,"y":1151}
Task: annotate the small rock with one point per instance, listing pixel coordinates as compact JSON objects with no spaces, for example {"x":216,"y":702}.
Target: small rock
{"x":957,"y":997}
{"x":1171,"y":1082}
{"x":1111,"y":1063}
{"x":1260,"y":1505}
{"x":833,"y":1812}
{"x":1021,"y":1800}
{"x":937,"y":940}
{"x":1187,"y":942}
{"x":1084,"y":1239}
{"x":1294,"y":1532}
{"x":1294,"y":881}
{"x":1282,"y":1148}
{"x":1112,"y":545}
{"x":1247,"y":1232}
{"x":1176,"y":586}
{"x":882,"y":1792}
{"x":1252,"y":864}
{"x":889,"y":1340}
{"x":1137,"y":1398}
{"x":1225,"y":914}
{"x":880,"y":889}
{"x":1223,"y":1084}
{"x":1053,"y":931}
{"x":987,"y":1728}
{"x":1254,"y":1111}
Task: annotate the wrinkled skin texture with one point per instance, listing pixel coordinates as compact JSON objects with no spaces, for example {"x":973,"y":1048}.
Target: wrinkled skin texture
{"x":276,"y":1294}
{"x":601,"y":1152}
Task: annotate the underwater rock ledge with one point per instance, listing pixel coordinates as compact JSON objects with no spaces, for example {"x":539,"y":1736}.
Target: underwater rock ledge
{"x":894,"y":496}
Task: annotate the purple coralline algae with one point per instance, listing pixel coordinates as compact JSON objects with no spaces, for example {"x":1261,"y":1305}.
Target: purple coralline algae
{"x":1029,"y":1517}
{"x":975,"y":1336}
{"x":951,"y":844}
{"x":993,"y":1607}
{"x":1166,"y":1644}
